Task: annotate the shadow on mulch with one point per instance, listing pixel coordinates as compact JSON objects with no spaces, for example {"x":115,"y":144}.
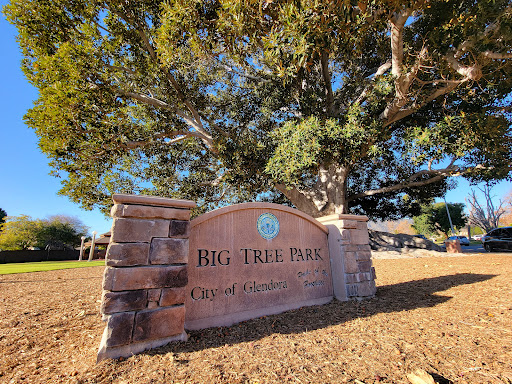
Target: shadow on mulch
{"x":440,"y":379}
{"x":390,"y":298}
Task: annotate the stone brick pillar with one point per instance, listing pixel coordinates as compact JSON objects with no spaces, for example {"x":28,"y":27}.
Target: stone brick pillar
{"x":349,"y":250}
{"x":146,"y":274}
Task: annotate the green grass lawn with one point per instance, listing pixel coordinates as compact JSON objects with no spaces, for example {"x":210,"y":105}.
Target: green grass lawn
{"x":6,"y":269}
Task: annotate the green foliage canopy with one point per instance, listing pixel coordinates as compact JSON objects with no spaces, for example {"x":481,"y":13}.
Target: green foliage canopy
{"x":434,"y":218}
{"x":329,"y":106}
{"x":3,"y":214}
{"x":55,"y":232}
{"x":60,"y":231}
{"x":18,"y":232}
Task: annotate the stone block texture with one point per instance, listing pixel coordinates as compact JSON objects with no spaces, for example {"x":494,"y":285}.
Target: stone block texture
{"x":364,"y":266}
{"x":124,"y":301}
{"x":127,"y":254}
{"x":349,"y":224}
{"x":359,"y":237}
{"x":146,"y":212}
{"x":120,"y":329}
{"x":359,"y":274}
{"x":179,"y":228}
{"x":159,"y":323}
{"x":351,"y":265}
{"x":146,"y":273}
{"x":168,"y":251}
{"x":361,"y":289}
{"x":172,"y":296}
{"x":138,"y":231}
{"x":154,"y":294}
{"x":146,"y":277}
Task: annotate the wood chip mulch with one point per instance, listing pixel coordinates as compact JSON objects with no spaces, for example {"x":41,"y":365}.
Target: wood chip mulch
{"x":451,"y":317}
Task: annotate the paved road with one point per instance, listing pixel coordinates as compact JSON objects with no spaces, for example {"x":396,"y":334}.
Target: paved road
{"x":473,"y":248}
{"x":479,"y":248}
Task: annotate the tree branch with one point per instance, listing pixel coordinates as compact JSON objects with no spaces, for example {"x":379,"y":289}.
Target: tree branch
{"x":181,"y":136}
{"x":484,"y":218}
{"x":120,"y":69}
{"x":246,"y":75}
{"x":489,"y":29}
{"x":393,"y":112}
{"x":434,"y":95}
{"x":402,"y":82}
{"x":498,"y":56}
{"x":95,"y":22}
{"x":329,"y":100}
{"x":397,"y":22}
{"x":438,"y":175}
{"x":307,"y":202}
{"x":207,"y":139}
{"x":472,"y":72}
{"x":194,"y":121}
{"x":212,"y":183}
{"x":380,"y":71}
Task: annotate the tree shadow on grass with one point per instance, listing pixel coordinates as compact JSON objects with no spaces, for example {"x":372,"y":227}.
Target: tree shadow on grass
{"x":390,"y":298}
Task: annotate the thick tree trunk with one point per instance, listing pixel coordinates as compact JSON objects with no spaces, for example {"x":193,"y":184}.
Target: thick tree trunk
{"x":328,"y":196}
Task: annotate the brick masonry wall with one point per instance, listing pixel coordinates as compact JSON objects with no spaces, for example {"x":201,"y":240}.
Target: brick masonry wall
{"x":146,"y":275}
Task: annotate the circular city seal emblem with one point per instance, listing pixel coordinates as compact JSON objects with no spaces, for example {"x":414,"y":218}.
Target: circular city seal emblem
{"x":268,"y":226}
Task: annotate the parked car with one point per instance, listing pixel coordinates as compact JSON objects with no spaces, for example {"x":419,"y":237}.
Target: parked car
{"x":462,"y":239}
{"x":477,"y":237}
{"x":499,"y":238}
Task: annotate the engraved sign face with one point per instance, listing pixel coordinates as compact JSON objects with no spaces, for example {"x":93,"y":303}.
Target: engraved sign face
{"x":268,"y":226}
{"x":254,"y":259}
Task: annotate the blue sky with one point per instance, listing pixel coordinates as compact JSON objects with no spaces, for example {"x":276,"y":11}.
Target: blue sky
{"x":27,"y":188}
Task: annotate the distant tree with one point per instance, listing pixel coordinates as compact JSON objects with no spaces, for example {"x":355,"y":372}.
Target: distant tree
{"x":60,"y":231}
{"x":506,"y":219}
{"x":434,"y":218}
{"x":396,"y":226}
{"x":73,"y":221}
{"x":332,"y":106}
{"x":487,"y":215}
{"x":57,"y":232}
{"x":3,"y":214}
{"x":422,"y":223}
{"x":477,"y":231}
{"x":508,"y":199}
{"x":405,"y":226}
{"x":18,"y":233}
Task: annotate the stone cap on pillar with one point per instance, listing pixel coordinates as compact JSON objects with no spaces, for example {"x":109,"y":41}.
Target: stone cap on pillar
{"x":155,"y":201}
{"x":339,"y":216}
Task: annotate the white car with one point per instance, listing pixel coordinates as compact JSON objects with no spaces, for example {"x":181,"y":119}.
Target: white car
{"x":462,"y":239}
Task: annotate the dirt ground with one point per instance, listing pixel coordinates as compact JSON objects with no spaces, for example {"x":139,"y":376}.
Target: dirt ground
{"x":451,"y":316}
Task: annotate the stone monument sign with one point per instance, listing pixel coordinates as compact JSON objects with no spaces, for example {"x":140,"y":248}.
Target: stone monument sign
{"x":254,"y":259}
{"x":165,"y":274}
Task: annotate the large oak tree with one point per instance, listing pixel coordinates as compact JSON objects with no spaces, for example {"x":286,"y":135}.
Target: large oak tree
{"x":332,"y":106}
